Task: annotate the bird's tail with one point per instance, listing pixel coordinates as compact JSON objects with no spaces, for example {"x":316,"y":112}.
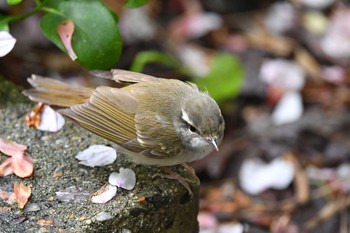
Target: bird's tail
{"x":54,"y":92}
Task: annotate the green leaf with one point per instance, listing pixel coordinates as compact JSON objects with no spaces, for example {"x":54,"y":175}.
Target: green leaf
{"x":143,"y":58}
{"x":14,"y":2}
{"x":225,"y":78}
{"x":96,"y":39}
{"x":4,"y":23}
{"x":134,"y":3}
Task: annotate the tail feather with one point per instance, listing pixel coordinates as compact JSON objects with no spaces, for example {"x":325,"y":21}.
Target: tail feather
{"x":54,"y":92}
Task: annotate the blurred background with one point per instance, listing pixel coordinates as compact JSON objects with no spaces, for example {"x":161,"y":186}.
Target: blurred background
{"x":280,"y":73}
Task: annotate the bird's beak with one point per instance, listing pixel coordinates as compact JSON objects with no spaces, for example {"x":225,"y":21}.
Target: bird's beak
{"x":212,"y":141}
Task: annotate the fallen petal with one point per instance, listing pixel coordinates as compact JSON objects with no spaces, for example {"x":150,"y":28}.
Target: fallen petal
{"x":97,"y":155}
{"x":11,"y":148}
{"x":125,"y":179}
{"x":104,"y":194}
{"x":6,"y":167}
{"x":207,"y":220}
{"x":72,"y":194}
{"x":103,"y":216}
{"x":22,"y":165}
{"x":288,"y":109}
{"x":7,"y":42}
{"x":50,"y":120}
{"x":22,"y":193}
{"x":65,"y":30}
{"x":283,"y":74}
{"x":45,"y":222}
{"x":231,"y":227}
{"x":256,"y":176}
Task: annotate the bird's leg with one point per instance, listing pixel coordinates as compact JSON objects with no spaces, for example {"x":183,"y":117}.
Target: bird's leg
{"x":169,"y":174}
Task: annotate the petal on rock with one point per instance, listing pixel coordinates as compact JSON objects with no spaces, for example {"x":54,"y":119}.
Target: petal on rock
{"x":97,"y":155}
{"x":22,"y":193}
{"x":104,"y":194}
{"x":125,"y":179}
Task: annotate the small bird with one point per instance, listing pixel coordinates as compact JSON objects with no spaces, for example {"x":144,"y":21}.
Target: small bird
{"x":154,"y":121}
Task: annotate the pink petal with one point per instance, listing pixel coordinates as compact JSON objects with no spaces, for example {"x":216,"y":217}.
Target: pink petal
{"x":125,"y":179}
{"x":6,"y":167}
{"x":22,"y":165}
{"x":65,"y":30}
{"x":22,"y":193}
{"x":11,"y":148}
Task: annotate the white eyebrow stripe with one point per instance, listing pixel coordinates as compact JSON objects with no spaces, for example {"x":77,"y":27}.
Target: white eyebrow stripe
{"x":185,"y":117}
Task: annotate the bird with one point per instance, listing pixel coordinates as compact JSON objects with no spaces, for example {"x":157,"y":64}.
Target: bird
{"x":154,"y":121}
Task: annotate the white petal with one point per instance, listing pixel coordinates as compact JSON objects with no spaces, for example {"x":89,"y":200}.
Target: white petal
{"x":97,"y":155}
{"x":103,"y":216}
{"x":7,"y":42}
{"x":255,"y":176}
{"x":231,"y":227}
{"x":108,"y":192}
{"x":196,"y":59}
{"x":50,"y":120}
{"x":206,"y":220}
{"x":280,"y":17}
{"x":317,"y":4}
{"x":201,"y":24}
{"x":72,"y":194}
{"x":283,"y":74}
{"x":288,"y":109}
{"x":125,"y":179}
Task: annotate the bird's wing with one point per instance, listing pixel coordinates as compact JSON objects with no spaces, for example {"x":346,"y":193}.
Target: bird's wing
{"x":157,"y":134}
{"x":109,"y":113}
{"x":124,"y":76}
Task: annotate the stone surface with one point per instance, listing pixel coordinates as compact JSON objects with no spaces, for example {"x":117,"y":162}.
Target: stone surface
{"x":154,"y":205}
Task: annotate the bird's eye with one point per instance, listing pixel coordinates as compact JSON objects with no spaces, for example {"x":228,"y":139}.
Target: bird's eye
{"x":192,"y":128}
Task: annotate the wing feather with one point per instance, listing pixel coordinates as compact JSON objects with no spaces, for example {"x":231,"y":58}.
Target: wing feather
{"x":103,"y":116}
{"x":122,"y":76}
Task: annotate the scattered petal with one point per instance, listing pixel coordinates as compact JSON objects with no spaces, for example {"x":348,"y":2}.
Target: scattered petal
{"x":11,"y":148}
{"x":317,"y":4}
{"x":97,"y":155}
{"x":45,"y":222}
{"x":335,"y":42}
{"x":286,"y":75}
{"x":103,"y":216}
{"x":72,"y":194}
{"x":7,"y":42}
{"x":207,"y":220}
{"x":125,"y":179}
{"x":50,"y":120}
{"x":136,"y":25}
{"x":6,"y":167}
{"x":280,"y":17}
{"x":199,"y":24}
{"x":231,"y":227}
{"x":104,"y":194}
{"x":33,"y":118}
{"x":334,"y":74}
{"x":196,"y":59}
{"x":22,"y":193}
{"x":256,"y":176}
{"x":288,"y":109}
{"x":65,"y":30}
{"x":22,"y":165}
{"x":32,"y":207}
